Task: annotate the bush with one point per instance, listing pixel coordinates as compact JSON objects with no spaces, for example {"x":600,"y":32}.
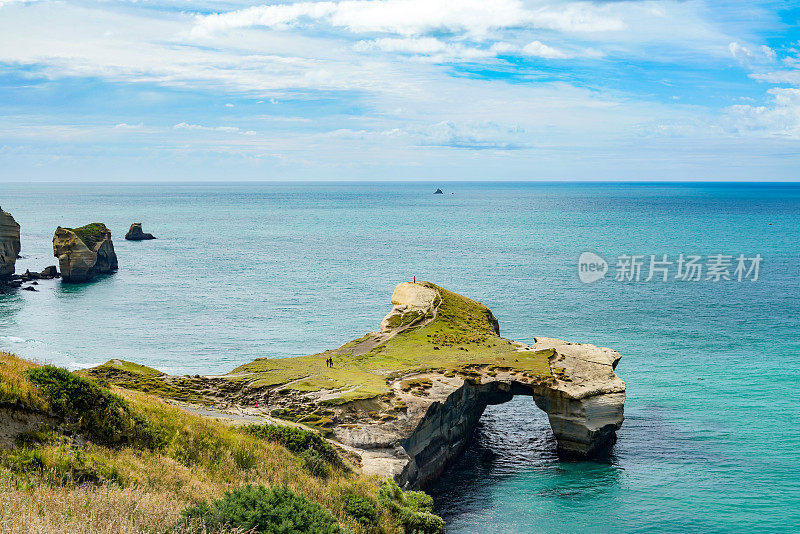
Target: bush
{"x":25,"y":460}
{"x":360,"y":508}
{"x":307,"y":444}
{"x":413,"y":509}
{"x":256,"y":508}
{"x":419,"y":501}
{"x":314,"y":463}
{"x":93,"y":411}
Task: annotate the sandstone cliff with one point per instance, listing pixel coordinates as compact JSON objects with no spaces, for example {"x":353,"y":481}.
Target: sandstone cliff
{"x":405,"y":400}
{"x":9,"y":244}
{"x":84,"y":252}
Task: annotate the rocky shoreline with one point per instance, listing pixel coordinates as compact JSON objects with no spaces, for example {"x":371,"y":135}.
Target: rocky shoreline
{"x":405,"y":400}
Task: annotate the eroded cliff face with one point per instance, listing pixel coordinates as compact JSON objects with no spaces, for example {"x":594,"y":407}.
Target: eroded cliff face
{"x":406,"y":399}
{"x":84,"y":252}
{"x":585,"y":409}
{"x":577,"y":388}
{"x":9,"y":244}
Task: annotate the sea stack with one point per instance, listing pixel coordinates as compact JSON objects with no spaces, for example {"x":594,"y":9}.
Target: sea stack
{"x":135,"y":233}
{"x":9,"y":244}
{"x":84,"y":252}
{"x":438,"y":192}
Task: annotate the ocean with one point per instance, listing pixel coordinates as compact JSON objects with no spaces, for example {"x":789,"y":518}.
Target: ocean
{"x":711,"y":439}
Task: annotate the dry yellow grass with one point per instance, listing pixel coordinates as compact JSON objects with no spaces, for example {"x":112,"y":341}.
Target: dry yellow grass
{"x":134,"y":489}
{"x":14,"y":384}
{"x":45,"y":509}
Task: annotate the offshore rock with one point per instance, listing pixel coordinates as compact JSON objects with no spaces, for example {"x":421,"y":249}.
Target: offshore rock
{"x":49,"y":272}
{"x":135,"y":233}
{"x":9,"y":244}
{"x":84,"y":252}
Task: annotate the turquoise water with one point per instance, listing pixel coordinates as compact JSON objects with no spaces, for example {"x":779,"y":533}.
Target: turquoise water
{"x":712,"y":430}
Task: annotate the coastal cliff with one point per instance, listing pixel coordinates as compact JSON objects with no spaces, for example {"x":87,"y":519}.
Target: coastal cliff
{"x":84,"y":252}
{"x":405,"y":400}
{"x":9,"y":244}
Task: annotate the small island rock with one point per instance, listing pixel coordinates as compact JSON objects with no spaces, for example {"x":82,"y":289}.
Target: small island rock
{"x":9,"y":244}
{"x":49,"y":272}
{"x":84,"y":252}
{"x":135,"y":233}
{"x":438,"y":192}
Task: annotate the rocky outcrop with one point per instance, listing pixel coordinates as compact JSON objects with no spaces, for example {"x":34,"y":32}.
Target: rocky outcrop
{"x":49,"y":272}
{"x":406,"y":400}
{"x":586,"y":399}
{"x":84,"y":252}
{"x":9,"y":244}
{"x":581,"y":394}
{"x":585,"y":410}
{"x":135,"y":233}
{"x":411,"y":302}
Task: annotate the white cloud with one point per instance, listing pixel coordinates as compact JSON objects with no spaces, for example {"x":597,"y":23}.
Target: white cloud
{"x":746,"y":54}
{"x":768,"y":52}
{"x":780,"y":118}
{"x":226,"y":129}
{"x":335,"y":62}
{"x":9,"y":2}
{"x":474,"y":136}
{"x":431,"y":48}
{"x":126,"y":126}
{"x":437,"y":50}
{"x":539,"y":49}
{"x":417,"y":17}
{"x":780,"y":76}
{"x":738,"y":51}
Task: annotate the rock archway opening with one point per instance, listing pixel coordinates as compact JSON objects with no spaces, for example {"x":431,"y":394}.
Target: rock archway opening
{"x":513,"y":435}
{"x":581,"y":427}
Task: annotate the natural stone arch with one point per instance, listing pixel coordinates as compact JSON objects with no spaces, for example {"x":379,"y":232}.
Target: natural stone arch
{"x":583,"y":427}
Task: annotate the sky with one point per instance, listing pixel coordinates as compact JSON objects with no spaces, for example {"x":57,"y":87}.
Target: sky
{"x":180,"y":90}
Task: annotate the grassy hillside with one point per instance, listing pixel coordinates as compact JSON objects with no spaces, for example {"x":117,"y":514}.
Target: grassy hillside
{"x":78,"y":457}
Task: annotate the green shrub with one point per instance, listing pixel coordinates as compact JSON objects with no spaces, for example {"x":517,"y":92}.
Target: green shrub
{"x":256,"y":508}
{"x":413,"y":509}
{"x":302,"y":442}
{"x":419,"y":501}
{"x":93,"y":411}
{"x":360,"y":508}
{"x":24,"y":460}
{"x":421,"y":522}
{"x":314,"y":463}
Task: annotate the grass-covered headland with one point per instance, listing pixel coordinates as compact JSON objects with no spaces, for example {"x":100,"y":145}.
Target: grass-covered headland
{"x":76,"y":456}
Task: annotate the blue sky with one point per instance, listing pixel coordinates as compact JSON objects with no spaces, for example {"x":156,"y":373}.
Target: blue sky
{"x":170,"y":90}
